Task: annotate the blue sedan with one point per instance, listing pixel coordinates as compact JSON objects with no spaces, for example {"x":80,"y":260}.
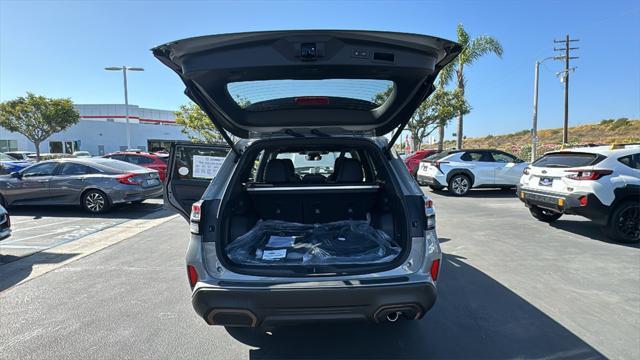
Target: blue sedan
{"x":8,"y":164}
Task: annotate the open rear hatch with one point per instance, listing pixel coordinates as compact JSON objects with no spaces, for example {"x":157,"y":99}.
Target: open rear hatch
{"x":317,"y":82}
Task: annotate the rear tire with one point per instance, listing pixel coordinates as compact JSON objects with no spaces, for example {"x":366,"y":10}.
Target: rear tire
{"x":459,"y":185}
{"x":544,"y":215}
{"x":95,"y":202}
{"x":624,"y":224}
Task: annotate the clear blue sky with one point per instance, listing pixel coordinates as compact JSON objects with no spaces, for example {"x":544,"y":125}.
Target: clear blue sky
{"x":58,"y":49}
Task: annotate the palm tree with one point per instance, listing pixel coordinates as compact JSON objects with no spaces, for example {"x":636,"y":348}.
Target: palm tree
{"x":473,"y":49}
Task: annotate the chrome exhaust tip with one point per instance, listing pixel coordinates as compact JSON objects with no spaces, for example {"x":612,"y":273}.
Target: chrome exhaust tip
{"x":393,"y":316}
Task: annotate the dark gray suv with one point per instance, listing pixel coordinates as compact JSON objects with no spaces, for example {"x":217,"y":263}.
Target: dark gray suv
{"x":310,"y":215}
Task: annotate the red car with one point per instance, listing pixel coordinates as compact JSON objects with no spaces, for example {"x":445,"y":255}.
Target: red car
{"x":413,"y":161}
{"x":150,"y":161}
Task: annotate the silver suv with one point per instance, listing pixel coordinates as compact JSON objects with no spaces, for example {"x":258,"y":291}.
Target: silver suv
{"x":310,"y":215}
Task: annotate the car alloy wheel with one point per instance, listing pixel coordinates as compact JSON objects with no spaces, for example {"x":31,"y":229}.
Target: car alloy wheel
{"x":460,"y":185}
{"x":628,"y":223}
{"x":95,"y":202}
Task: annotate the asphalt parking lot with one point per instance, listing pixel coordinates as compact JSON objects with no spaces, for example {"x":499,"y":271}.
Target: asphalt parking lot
{"x":38,"y":228}
{"x":511,"y":287}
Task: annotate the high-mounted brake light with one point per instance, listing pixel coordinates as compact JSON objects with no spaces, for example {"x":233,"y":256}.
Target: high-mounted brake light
{"x":128,"y":179}
{"x":193,"y":275}
{"x":311,"y":100}
{"x":587,"y":174}
{"x":435,"y":269}
{"x":196,"y":210}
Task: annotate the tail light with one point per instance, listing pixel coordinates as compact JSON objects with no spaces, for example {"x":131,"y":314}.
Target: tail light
{"x":438,"y":163}
{"x":435,"y":269}
{"x":196,"y":211}
{"x":587,"y":174}
{"x":526,"y":170}
{"x":429,"y":212}
{"x":128,"y":179}
{"x":193,"y":275}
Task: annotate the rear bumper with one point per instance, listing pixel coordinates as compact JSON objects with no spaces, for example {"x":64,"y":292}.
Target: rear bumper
{"x":269,"y":306}
{"x":567,"y":203}
{"x":135,"y":194}
{"x":429,"y":180}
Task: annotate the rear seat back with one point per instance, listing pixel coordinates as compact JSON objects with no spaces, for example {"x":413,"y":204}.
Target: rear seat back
{"x":350,"y":171}
{"x":280,"y":171}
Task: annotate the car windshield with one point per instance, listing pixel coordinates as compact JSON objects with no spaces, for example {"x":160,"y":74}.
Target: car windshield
{"x":567,"y":160}
{"x":5,"y":157}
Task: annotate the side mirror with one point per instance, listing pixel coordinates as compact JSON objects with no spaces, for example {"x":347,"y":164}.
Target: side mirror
{"x":16,"y":174}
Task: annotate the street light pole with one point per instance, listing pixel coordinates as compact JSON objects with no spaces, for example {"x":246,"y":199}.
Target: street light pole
{"x":126,"y":106}
{"x":534,"y":128}
{"x":126,"y":95}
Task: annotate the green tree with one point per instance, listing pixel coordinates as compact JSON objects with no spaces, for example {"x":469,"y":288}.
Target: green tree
{"x":196,"y":124}
{"x":472,"y":50}
{"x":434,"y":113}
{"x":37,"y":117}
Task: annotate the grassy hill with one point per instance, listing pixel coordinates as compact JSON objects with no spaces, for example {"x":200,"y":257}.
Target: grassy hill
{"x":606,"y":132}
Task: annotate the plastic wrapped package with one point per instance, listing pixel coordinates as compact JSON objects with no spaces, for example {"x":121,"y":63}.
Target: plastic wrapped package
{"x":275,"y":242}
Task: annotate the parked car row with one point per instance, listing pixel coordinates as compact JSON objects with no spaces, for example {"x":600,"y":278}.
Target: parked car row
{"x":600,"y":183}
{"x":93,"y":183}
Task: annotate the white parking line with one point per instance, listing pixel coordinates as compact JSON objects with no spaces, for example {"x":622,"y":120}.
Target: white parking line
{"x":22,"y":246}
{"x":65,"y":229}
{"x":43,"y":225}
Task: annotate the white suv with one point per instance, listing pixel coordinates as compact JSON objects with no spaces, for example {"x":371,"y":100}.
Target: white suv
{"x":600,"y":183}
{"x":460,"y":170}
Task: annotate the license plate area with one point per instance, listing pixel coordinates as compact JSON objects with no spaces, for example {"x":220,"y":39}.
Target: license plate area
{"x":544,"y":199}
{"x":545,"y":181}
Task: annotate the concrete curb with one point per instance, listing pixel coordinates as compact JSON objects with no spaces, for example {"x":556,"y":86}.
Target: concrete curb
{"x":51,"y":259}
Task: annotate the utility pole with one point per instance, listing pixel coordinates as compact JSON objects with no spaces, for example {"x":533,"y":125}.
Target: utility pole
{"x":565,"y":77}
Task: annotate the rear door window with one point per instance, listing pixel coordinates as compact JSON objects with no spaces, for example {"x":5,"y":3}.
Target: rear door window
{"x":477,"y":156}
{"x":632,"y":161}
{"x":77,"y":169}
{"x":503,"y":157}
{"x":568,"y":160}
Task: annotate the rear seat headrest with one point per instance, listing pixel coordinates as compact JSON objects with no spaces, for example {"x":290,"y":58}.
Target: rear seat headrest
{"x":350,"y":171}
{"x":276,"y":171}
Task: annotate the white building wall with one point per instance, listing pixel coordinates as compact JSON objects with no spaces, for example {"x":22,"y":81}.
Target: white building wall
{"x":104,"y":124}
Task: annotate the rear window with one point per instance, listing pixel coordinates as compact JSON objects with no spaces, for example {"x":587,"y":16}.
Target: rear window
{"x":337,"y":93}
{"x":568,"y":160}
{"x":440,"y":155}
{"x":116,"y":165}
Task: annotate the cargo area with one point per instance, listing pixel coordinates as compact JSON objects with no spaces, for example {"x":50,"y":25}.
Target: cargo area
{"x":325,"y":210}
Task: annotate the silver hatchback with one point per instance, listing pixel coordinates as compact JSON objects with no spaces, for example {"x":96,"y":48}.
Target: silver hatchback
{"x":94,"y":183}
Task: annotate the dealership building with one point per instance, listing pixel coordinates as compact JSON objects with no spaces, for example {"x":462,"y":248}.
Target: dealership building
{"x":102,"y":129}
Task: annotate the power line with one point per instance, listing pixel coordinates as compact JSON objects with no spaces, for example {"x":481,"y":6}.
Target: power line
{"x":565,"y":78}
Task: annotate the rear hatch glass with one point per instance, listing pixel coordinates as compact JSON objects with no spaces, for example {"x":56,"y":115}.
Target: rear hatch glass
{"x":567,"y":160}
{"x":265,"y":95}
